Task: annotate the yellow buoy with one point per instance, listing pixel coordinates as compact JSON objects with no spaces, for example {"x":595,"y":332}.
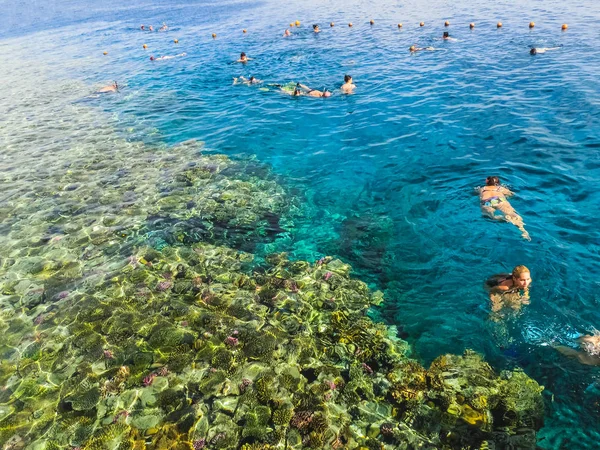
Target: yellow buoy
{"x":499,"y":25}
{"x":244,"y":31}
{"x":564,"y":26}
{"x":531,"y":24}
{"x":297,"y":23}
{"x":176,"y":41}
{"x":446,"y":23}
{"x":372,"y":22}
{"x":214,"y":35}
{"x":350,"y":24}
{"x":399,"y":25}
{"x":291,"y":24}
{"x":145,"y":46}
{"x":331,"y":24}
{"x":105,"y":53}
{"x":422,"y":24}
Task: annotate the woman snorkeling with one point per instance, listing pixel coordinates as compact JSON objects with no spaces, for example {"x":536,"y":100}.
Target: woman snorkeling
{"x":509,"y":289}
{"x":492,"y":198}
{"x":590,"y":346}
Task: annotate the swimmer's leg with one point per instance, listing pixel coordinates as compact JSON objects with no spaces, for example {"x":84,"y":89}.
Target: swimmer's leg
{"x":511,"y":216}
{"x":491,"y":213}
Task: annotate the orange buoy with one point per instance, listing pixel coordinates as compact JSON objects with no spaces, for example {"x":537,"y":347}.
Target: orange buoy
{"x":564,"y":26}
{"x":446,"y":23}
{"x":244,"y":31}
{"x":471,"y":25}
{"x":422,"y":24}
{"x":531,"y":24}
{"x":176,"y":41}
{"x":145,"y":46}
{"x":372,"y":22}
{"x":350,"y":24}
{"x":499,"y":25}
{"x":399,"y":25}
{"x":105,"y":53}
{"x":214,"y":35}
{"x":331,"y":24}
{"x":297,"y":23}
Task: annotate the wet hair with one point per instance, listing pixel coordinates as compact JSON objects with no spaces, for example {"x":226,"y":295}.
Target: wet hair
{"x":519,"y":270}
{"x":151,"y":58}
{"x":296,"y":91}
{"x":533,"y":51}
{"x":242,"y":55}
{"x":347,"y":78}
{"x":446,"y":34}
{"x":315,"y":26}
{"x":492,"y":181}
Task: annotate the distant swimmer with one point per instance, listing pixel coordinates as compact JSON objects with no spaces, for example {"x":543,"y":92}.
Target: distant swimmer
{"x":414,"y":49}
{"x":150,"y":28}
{"x":348,"y":87}
{"x":305,"y":90}
{"x":509,"y":289}
{"x":162,"y":58}
{"x":110,"y":88}
{"x":142,"y":27}
{"x":492,"y":198}
{"x":243,"y":58}
{"x":590,"y":346}
{"x":287,"y":33}
{"x":248,"y":81}
{"x":446,"y":37}
{"x":536,"y":50}
{"x":164,"y":27}
{"x":316,"y":28}
{"x":297,"y":90}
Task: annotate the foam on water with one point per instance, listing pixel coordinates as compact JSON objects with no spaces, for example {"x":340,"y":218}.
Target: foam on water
{"x":386,"y":175}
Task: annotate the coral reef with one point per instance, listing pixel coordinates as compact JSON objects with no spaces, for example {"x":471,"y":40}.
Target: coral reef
{"x":286,"y":357}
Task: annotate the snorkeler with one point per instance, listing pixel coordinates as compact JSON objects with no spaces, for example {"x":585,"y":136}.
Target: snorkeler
{"x":243,"y":58}
{"x":316,"y":28}
{"x":348,"y":87}
{"x":110,"y":88}
{"x":590,"y":344}
{"x":414,"y":49}
{"x":305,"y":90}
{"x":509,"y":289}
{"x":535,"y":51}
{"x":248,"y":81}
{"x":162,"y":58}
{"x":492,"y":199}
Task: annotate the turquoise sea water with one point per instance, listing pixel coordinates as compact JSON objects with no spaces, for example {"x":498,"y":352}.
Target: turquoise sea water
{"x":385,"y":175}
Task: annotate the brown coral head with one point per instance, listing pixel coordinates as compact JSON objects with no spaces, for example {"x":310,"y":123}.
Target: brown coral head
{"x":302,"y":420}
{"x":387,"y":429}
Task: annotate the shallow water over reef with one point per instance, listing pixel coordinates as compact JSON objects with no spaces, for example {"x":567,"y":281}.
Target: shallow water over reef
{"x":381,"y":179}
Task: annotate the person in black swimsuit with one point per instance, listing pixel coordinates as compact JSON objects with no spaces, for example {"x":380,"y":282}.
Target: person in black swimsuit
{"x":509,"y":289}
{"x":493,"y":200}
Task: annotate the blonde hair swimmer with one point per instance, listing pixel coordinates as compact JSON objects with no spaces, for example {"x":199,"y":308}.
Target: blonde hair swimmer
{"x":590,"y":346}
{"x":493,"y":199}
{"x":509,"y":289}
{"x":414,"y":49}
{"x":162,"y":58}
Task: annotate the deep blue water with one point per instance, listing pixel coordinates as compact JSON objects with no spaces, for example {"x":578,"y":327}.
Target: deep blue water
{"x":386,"y":175}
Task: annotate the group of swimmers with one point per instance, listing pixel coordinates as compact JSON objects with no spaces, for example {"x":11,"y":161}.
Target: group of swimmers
{"x":511,"y":290}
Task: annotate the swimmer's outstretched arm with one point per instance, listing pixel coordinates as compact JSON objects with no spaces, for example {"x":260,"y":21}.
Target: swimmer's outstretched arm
{"x":303,"y":86}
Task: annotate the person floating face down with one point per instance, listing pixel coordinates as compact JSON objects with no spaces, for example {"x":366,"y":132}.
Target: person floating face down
{"x":589,"y":349}
{"x":414,"y":49}
{"x":509,"y":290}
{"x":302,"y":89}
{"x":114,"y":87}
{"x":247,"y":81}
{"x":535,"y":50}
{"x":495,"y":205}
